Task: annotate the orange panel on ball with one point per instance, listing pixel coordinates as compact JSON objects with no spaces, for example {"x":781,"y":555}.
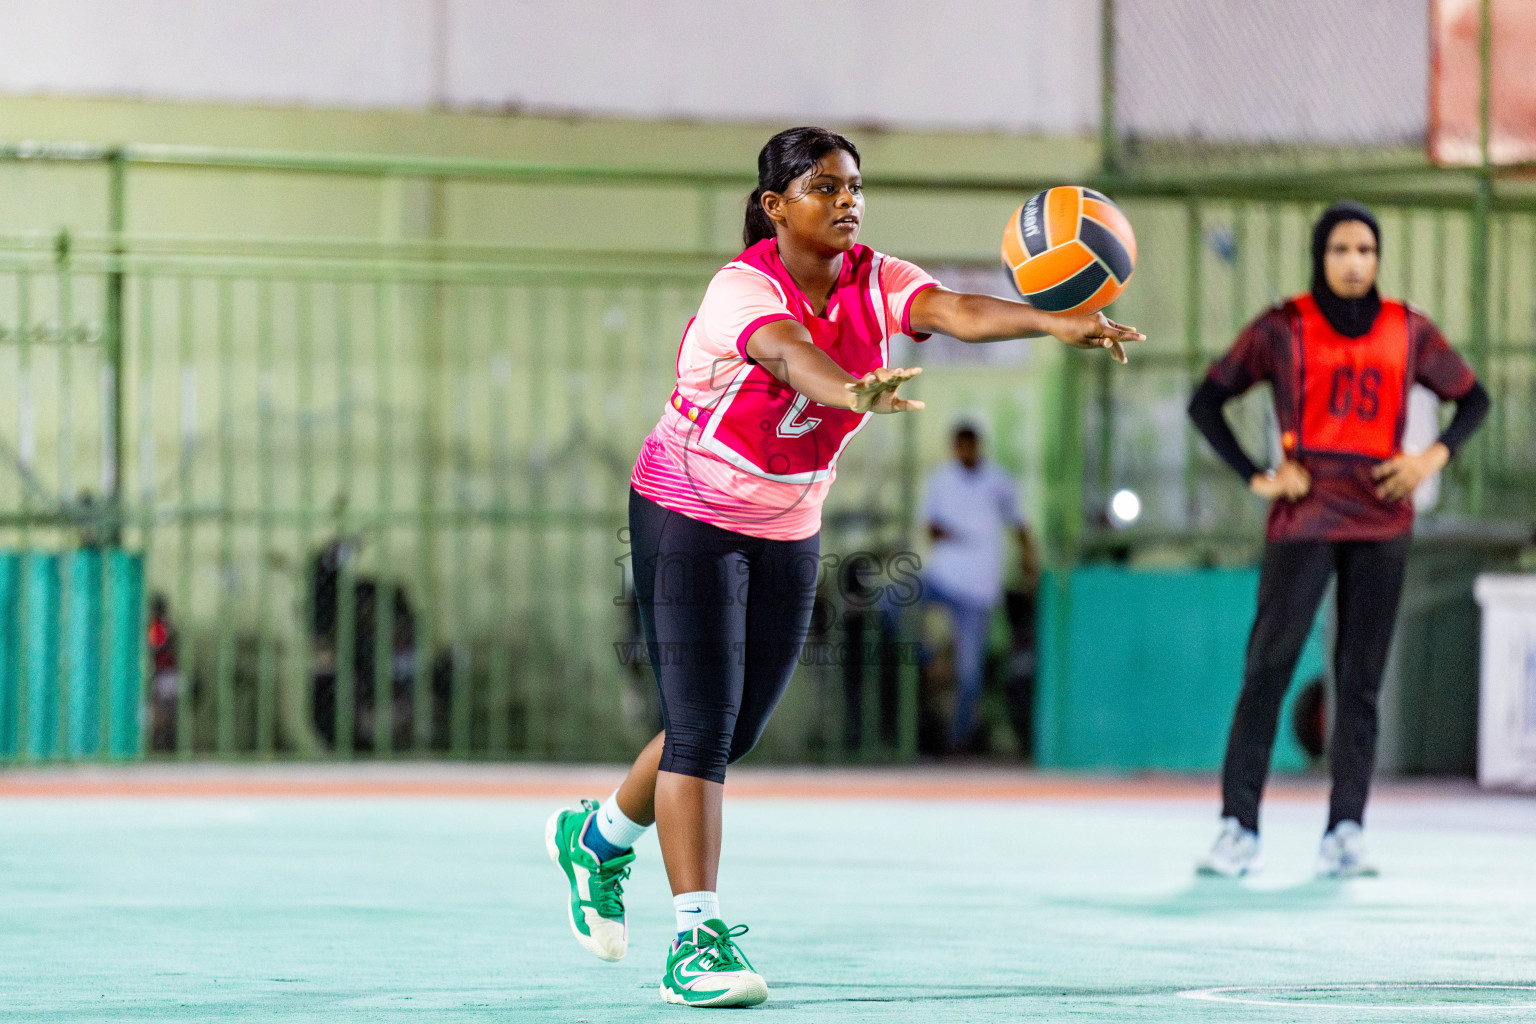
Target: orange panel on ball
{"x":1014,"y":252}
{"x":1062,"y":206}
{"x":1052,"y":267}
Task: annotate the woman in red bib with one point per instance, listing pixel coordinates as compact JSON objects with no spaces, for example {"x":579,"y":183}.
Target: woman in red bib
{"x":1340,"y":360}
{"x":787,"y":359}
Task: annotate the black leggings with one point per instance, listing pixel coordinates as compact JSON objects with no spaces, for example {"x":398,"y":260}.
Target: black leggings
{"x":1291,"y":584}
{"x":725,"y":616}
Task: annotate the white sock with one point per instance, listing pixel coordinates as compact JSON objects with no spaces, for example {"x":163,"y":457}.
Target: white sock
{"x":694,"y":908}
{"x":613,"y":826}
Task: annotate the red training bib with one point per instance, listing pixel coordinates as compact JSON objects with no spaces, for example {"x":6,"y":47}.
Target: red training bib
{"x":1351,"y":390}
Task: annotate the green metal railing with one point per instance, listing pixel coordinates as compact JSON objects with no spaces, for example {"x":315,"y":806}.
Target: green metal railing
{"x":369,"y":495}
{"x":376,"y":490}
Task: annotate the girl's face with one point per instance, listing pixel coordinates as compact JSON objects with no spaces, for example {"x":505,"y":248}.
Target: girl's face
{"x":821,"y":209}
{"x":1350,"y":260}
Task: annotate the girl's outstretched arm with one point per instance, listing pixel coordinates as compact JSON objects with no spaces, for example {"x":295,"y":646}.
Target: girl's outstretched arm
{"x":972,"y":317}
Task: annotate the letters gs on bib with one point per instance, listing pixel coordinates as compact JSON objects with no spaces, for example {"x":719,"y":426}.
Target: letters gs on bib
{"x":1358,"y":395}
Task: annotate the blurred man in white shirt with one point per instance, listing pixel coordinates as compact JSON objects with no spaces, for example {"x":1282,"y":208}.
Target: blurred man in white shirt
{"x":968,"y":507}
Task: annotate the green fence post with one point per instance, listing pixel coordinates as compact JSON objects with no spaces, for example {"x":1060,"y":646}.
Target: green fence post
{"x":147,"y":501}
{"x":266,"y":486}
{"x":460,"y":440}
{"x":384,"y":614}
{"x":1193,"y":322}
{"x":1062,"y":535}
{"x":67,"y":498}
{"x":499,"y":699}
{"x":1482,"y":210}
{"x":1109,"y":138}
{"x":186,"y":654}
{"x":26,"y":449}
{"x":224,"y":658}
{"x":428,"y":452}
{"x":112,"y":337}
{"x":351,"y":546}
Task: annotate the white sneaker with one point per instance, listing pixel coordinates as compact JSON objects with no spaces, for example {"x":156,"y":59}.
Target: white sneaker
{"x":1235,"y":854}
{"x":1343,"y":855}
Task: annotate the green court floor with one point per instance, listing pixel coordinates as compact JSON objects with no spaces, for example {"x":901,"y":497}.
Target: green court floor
{"x":269,"y":907}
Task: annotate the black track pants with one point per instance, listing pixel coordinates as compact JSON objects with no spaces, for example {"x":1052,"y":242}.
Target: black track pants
{"x":1292,"y":581}
{"x":725,"y":616}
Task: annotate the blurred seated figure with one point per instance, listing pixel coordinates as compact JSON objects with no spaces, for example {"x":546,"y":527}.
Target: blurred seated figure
{"x":325,"y":589}
{"x":165,"y":686}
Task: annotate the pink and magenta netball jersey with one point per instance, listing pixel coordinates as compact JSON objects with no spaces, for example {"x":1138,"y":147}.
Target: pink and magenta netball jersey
{"x":738,"y":448}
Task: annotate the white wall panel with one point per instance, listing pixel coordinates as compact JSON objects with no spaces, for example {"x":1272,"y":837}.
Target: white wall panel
{"x":339,"y":52}
{"x":1014,"y":64}
{"x":1019,"y":65}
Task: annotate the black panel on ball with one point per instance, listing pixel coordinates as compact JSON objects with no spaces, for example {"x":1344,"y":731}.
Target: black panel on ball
{"x":1106,"y":245}
{"x":1032,"y":224}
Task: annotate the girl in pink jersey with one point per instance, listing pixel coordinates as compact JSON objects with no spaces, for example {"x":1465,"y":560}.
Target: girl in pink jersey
{"x":786,"y":360}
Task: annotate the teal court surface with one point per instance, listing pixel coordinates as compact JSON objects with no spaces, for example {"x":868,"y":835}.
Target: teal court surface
{"x":423,"y":893}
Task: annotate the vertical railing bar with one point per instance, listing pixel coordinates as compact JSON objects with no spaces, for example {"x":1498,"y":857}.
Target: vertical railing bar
{"x":384,"y":615}
{"x":1478,"y":312}
{"x":113,"y":330}
{"x":26,"y":441}
{"x":186,"y":654}
{"x":1499,"y":336}
{"x":112,"y":450}
{"x":426,"y":526}
{"x":350,"y":546}
{"x":625,"y":383}
{"x":499,"y":699}
{"x":621,"y":383}
{"x":1194,"y":265}
{"x":146,"y":511}
{"x":65,"y":313}
{"x":578,"y":385}
{"x":224,"y":677}
{"x":266,"y":486}
{"x":304,"y":396}
{"x":106,"y":637}
{"x":1273,"y":285}
{"x":536,"y":677}
{"x":1303,"y":253}
{"x":1438,"y":246}
{"x":1240,"y":217}
{"x":459,"y":358}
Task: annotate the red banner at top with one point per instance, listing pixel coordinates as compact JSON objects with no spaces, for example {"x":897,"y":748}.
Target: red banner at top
{"x":1456,"y":83}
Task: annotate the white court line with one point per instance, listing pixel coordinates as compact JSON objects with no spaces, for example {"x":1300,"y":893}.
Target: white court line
{"x":1226,"y":994}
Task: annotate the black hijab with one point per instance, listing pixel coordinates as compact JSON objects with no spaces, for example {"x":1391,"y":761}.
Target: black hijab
{"x":1350,"y":317}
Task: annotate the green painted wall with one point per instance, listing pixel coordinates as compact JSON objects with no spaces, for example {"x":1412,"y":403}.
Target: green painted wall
{"x":1150,"y":670}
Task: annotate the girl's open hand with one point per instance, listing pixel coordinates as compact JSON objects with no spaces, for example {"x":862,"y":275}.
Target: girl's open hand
{"x":876,"y":390}
{"x":1095,"y":330}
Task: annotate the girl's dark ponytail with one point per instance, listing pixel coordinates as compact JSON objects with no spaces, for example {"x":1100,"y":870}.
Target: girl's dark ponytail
{"x":758,"y":226}
{"x":785,"y":157}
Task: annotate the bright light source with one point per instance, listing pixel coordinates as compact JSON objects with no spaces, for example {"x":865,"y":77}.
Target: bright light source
{"x":1124,"y":508}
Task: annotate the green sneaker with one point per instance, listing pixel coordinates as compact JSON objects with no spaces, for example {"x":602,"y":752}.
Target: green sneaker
{"x":708,"y":969}
{"x":596,"y":907}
